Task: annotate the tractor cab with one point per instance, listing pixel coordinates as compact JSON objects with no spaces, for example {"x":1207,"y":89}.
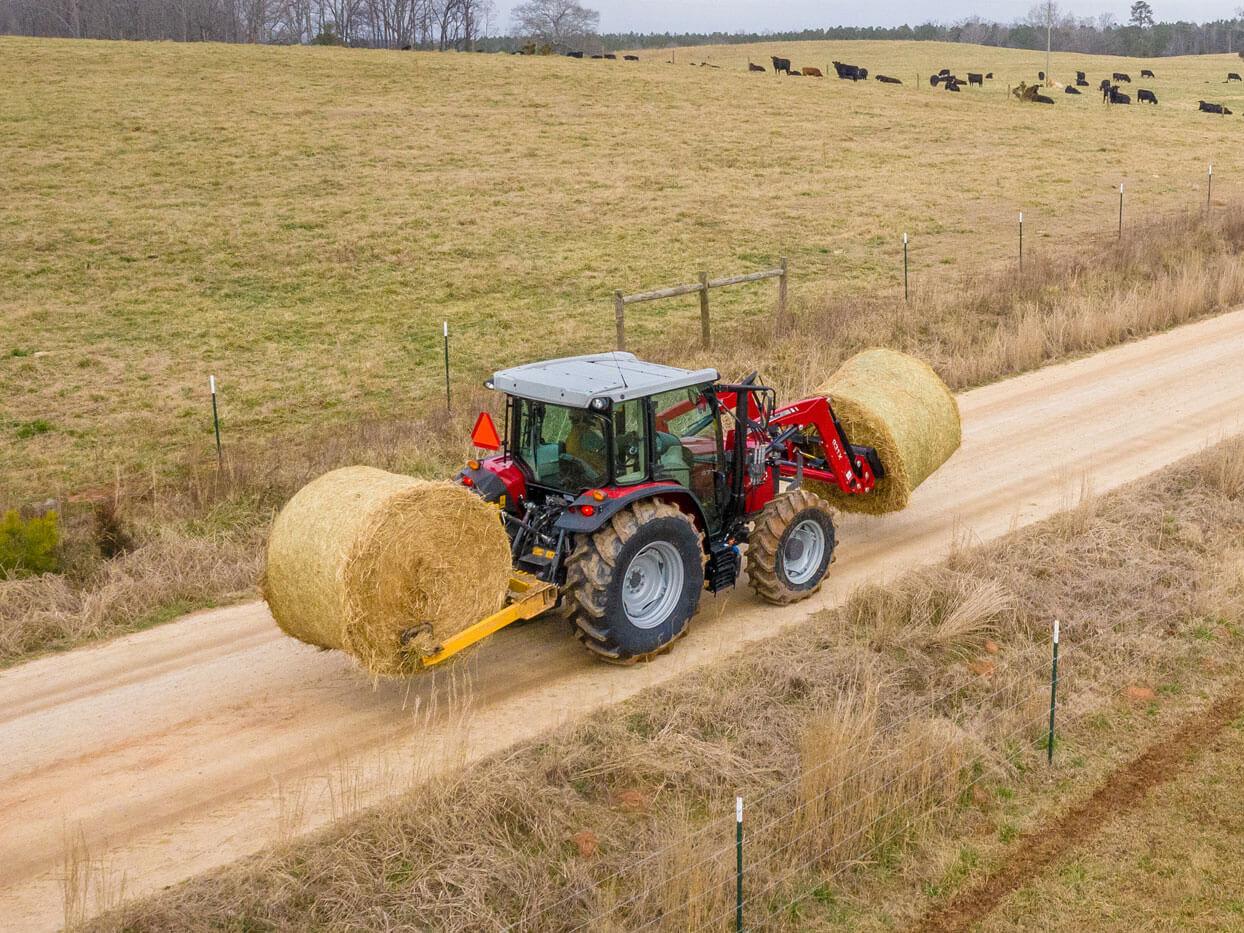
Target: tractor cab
{"x":612,"y":422}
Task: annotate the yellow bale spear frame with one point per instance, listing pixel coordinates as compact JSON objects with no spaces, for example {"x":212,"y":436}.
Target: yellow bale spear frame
{"x":526,"y":599}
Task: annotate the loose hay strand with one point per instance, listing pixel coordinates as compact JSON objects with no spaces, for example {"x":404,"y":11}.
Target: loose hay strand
{"x":360,"y":556}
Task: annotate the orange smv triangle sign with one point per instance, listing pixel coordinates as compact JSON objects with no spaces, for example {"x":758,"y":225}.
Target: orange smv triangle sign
{"x":484,"y":434}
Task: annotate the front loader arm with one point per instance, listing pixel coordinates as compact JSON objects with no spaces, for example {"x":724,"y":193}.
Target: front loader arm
{"x":833,"y":459}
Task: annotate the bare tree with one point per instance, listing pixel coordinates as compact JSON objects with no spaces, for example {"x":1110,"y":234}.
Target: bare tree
{"x":554,"y":21}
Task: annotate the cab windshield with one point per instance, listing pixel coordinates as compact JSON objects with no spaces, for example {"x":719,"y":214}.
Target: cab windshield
{"x":566,"y":448}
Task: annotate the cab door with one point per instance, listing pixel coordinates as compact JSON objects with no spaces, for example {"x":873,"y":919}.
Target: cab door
{"x":687,"y":447}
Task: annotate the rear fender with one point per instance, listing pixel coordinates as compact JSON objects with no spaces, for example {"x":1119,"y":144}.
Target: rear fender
{"x":575,"y":522}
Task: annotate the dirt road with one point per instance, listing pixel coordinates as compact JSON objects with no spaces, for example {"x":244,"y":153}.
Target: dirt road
{"x":179,"y":748}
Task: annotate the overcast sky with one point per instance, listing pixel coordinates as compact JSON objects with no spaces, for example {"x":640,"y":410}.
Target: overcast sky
{"x":774,"y":15}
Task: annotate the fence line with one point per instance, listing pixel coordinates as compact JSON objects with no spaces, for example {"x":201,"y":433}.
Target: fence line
{"x":620,"y":301}
{"x":1038,"y":671}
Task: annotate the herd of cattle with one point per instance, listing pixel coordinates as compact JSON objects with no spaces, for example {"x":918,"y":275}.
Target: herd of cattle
{"x":1109,"y":87}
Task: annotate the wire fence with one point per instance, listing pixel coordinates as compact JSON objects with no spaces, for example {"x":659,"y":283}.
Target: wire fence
{"x":783,"y":845}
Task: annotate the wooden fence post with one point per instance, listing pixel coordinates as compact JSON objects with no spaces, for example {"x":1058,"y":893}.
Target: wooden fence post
{"x":782,"y":291}
{"x":619,"y":315}
{"x":705,"y":338}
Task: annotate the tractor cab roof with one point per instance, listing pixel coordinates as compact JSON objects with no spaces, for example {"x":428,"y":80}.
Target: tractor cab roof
{"x":578,"y":380}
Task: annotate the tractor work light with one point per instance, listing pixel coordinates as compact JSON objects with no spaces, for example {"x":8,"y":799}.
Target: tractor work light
{"x":599,"y":404}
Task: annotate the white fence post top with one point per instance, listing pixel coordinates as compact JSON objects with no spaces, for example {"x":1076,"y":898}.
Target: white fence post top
{"x":1056,"y":631}
{"x":738,"y":809}
{"x":211,"y":381}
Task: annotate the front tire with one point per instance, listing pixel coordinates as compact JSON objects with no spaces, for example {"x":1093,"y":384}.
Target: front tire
{"x":791,"y":547}
{"x":634,"y":584}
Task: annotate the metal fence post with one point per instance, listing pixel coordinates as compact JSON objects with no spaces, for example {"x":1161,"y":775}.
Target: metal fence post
{"x":738,"y":873}
{"x":448,"y":400}
{"x":1120,"y":210}
{"x":705,"y":337}
{"x":619,"y":315}
{"x":1021,"y":242}
{"x":782,"y":290}
{"x":220,"y":455}
{"x":1209,"y":189}
{"x":1049,"y":744}
{"x":906,"y":293}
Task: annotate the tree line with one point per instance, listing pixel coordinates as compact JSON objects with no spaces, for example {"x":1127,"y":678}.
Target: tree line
{"x":562,"y":25}
{"x":425,"y":24}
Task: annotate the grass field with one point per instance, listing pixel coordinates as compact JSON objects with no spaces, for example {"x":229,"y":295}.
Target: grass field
{"x":299,"y":221}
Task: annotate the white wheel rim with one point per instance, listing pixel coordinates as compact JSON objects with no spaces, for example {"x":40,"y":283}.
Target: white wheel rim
{"x":802,"y":552}
{"x":652,"y":585}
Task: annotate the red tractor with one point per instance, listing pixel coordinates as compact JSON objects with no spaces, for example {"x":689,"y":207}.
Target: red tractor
{"x":629,"y":486}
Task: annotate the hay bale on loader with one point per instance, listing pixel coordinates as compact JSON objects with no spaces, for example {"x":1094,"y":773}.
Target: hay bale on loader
{"x":384,"y":567}
{"x":899,"y":405}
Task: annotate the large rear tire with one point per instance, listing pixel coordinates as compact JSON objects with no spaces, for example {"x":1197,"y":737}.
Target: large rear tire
{"x":791,"y":547}
{"x":634,"y":584}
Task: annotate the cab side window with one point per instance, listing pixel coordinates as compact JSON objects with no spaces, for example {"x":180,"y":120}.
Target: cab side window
{"x":685,"y":441}
{"x":630,"y":452}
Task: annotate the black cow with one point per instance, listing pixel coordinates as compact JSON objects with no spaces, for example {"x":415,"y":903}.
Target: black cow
{"x":974,"y":78}
{"x":945,"y":72}
{"x":1042,"y":99}
{"x":751,"y":66}
{"x":1070,"y":90}
{"x":1040,"y":75}
{"x":574,"y":54}
{"x":1206,"y":107}
{"x":596,"y":57}
{"x":1080,"y":76}
{"x":1082,"y":82}
{"x":952,"y":84}
{"x":1104,"y":86}
{"x":886,"y":79}
{"x":780,"y":64}
{"x":1122,"y":76}
{"x":851,"y":72}
{"x":1118,"y":97}
{"x":631,"y":58}
{"x":1146,"y":73}
{"x":1232,"y":76}
{"x":1143,"y":96}
{"x":612,"y":57}
{"x":988,"y":75}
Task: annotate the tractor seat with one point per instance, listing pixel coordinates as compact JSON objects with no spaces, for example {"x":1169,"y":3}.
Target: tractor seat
{"x":673,"y":459}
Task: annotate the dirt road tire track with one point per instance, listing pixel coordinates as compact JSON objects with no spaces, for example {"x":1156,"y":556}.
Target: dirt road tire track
{"x":1124,"y":791}
{"x":172,"y":750}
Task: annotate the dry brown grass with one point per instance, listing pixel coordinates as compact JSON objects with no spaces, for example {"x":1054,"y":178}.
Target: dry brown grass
{"x":980,"y":325}
{"x":862,"y":742}
{"x":170,"y":573}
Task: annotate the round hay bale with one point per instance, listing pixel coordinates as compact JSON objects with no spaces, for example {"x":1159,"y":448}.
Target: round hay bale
{"x":899,"y":405}
{"x":384,"y":567}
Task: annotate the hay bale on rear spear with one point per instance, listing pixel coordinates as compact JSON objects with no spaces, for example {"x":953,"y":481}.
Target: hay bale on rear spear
{"x":384,"y":567}
{"x":899,"y":405}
